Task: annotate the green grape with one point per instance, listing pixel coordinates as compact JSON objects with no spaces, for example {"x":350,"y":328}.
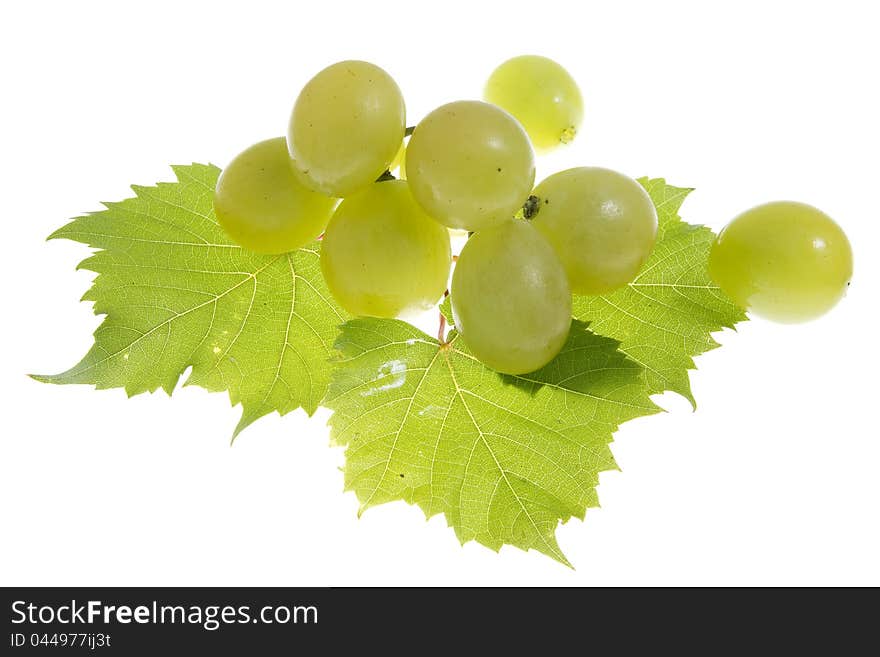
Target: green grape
{"x":785,"y":261}
{"x":382,"y":256}
{"x":510,"y":298}
{"x":470,"y":165}
{"x":346,"y":127}
{"x":602,"y":224}
{"x":541,"y":95}
{"x":263,"y":207}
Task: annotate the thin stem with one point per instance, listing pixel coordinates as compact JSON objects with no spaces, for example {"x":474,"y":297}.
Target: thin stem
{"x":441,"y":332}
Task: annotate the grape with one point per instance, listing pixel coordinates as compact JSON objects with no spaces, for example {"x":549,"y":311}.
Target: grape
{"x":541,"y":95}
{"x":785,"y":261}
{"x":510,"y":299}
{"x":382,"y":256}
{"x":470,"y":165}
{"x":346,"y":127}
{"x":263,"y":207}
{"x":602,"y":224}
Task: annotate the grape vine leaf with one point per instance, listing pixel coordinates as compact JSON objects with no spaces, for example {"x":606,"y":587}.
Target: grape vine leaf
{"x":177,"y":293}
{"x":505,"y":458}
{"x":446,"y":310}
{"x":668,"y":313}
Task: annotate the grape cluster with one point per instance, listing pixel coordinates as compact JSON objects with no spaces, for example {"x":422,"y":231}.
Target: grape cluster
{"x":470,"y":166}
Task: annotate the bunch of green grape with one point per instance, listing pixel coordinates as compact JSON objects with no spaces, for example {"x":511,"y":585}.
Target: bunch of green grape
{"x":469,"y":166}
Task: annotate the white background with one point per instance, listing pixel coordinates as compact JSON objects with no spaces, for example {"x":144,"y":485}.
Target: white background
{"x":773,"y":480}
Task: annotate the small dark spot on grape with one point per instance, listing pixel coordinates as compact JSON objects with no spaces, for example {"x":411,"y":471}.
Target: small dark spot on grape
{"x":499,"y":169}
{"x":401,"y":475}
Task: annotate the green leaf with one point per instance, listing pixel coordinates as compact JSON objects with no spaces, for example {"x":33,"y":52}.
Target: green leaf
{"x":504,"y":458}
{"x":668,"y":313}
{"x":177,"y":293}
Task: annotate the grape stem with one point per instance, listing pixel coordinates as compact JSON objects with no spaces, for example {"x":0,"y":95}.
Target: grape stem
{"x":531,"y":207}
{"x":441,"y":331}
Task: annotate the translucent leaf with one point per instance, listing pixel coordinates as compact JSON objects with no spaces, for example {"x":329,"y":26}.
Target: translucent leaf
{"x":668,"y":313}
{"x":177,"y":293}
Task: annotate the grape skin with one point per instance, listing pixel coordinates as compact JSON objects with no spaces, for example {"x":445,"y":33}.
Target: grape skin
{"x":382,"y":256}
{"x":510,"y":298}
{"x":263,"y":207}
{"x":541,"y":95}
{"x":785,"y":261}
{"x":470,"y":165}
{"x":346,"y":127}
{"x":602,"y":224}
